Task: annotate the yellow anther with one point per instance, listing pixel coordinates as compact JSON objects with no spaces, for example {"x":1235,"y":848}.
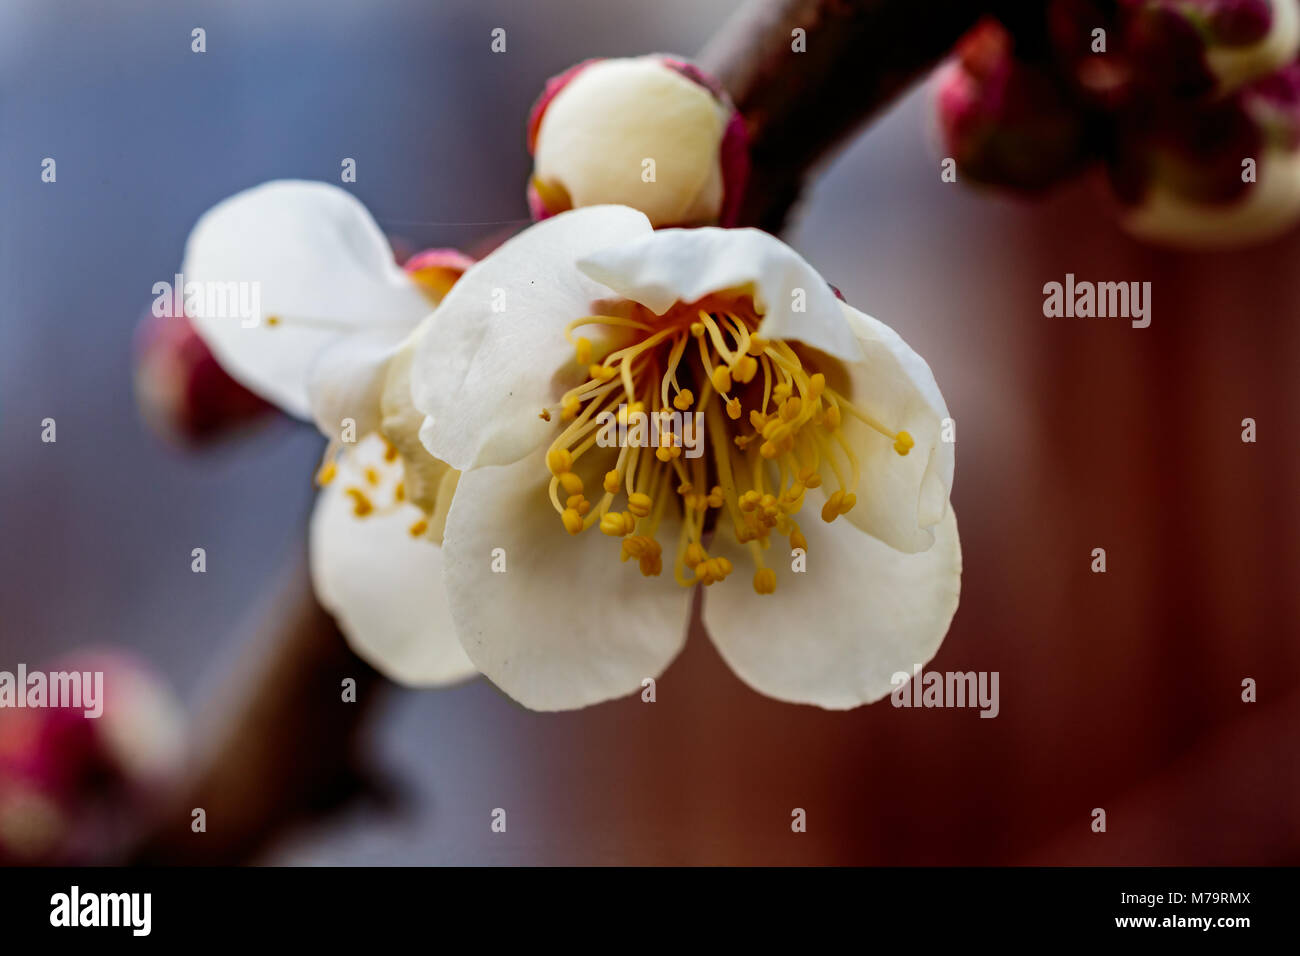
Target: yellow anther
{"x":757,"y":419}
{"x":833,"y":417}
{"x":651,"y":562}
{"x":612,"y":482}
{"x":571,"y":483}
{"x":419,"y":528}
{"x":715,"y":497}
{"x":639,"y":504}
{"x":697,"y":329}
{"x":734,"y":410}
{"x":781,"y":392}
{"x":683,"y":400}
{"x":272,"y":320}
{"x":831,"y":509}
{"x":749,"y":500}
{"x":647,"y":552}
{"x":602,"y":373}
{"x":694,"y":554}
{"x":903,"y":443}
{"x":361,"y":505}
{"x":745,"y":369}
{"x":572,"y":521}
{"x":721,"y":379}
{"x":768,"y":450}
{"x":569,"y":408}
{"x":544,"y":415}
{"x":790,"y":410}
{"x":816,"y":385}
{"x":765,"y":581}
{"x":797,"y":540}
{"x":757,"y":345}
{"x":583,"y":349}
{"x":613,"y":525}
{"x":390,"y":452}
{"x":847,"y":504}
{"x":559,"y":461}
{"x":399,"y":492}
{"x":372,"y":476}
{"x":712,"y":570}
{"x":685,"y":488}
{"x":327,"y":473}
{"x":625,"y":412}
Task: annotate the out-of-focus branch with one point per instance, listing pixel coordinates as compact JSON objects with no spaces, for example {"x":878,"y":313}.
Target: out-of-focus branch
{"x":857,"y":57}
{"x":280,"y":743}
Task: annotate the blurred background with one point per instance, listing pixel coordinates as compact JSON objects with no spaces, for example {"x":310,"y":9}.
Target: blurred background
{"x":1119,"y":690}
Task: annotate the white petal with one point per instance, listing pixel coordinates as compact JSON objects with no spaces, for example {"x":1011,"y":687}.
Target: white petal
{"x":835,"y":634}
{"x":384,"y":587}
{"x":1269,"y":208}
{"x":314,"y":259}
{"x":900,"y":497}
{"x":567,"y":624}
{"x":427,"y":479}
{"x":685,"y":265}
{"x":347,"y":381}
{"x":495,"y":354}
{"x":597,"y":132}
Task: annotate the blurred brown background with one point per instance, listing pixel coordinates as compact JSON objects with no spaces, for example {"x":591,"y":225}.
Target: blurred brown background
{"x":1120,"y":691}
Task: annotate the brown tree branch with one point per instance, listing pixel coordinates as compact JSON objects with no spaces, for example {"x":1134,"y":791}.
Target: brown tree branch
{"x":858,"y":57}
{"x":280,"y":741}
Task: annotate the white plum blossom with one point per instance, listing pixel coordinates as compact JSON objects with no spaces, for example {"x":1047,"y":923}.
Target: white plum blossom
{"x":823,"y":432}
{"x":652,"y":132}
{"x":339,"y":323}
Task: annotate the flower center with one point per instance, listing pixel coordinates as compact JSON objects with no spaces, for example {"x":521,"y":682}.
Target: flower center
{"x":771,"y":421}
{"x":374,"y":478}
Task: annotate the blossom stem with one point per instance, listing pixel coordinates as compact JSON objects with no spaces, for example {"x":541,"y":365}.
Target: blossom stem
{"x":801,"y":94}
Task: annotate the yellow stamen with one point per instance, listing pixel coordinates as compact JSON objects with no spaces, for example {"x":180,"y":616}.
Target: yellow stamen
{"x":361,"y":505}
{"x":766,"y":443}
{"x":572,"y":521}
